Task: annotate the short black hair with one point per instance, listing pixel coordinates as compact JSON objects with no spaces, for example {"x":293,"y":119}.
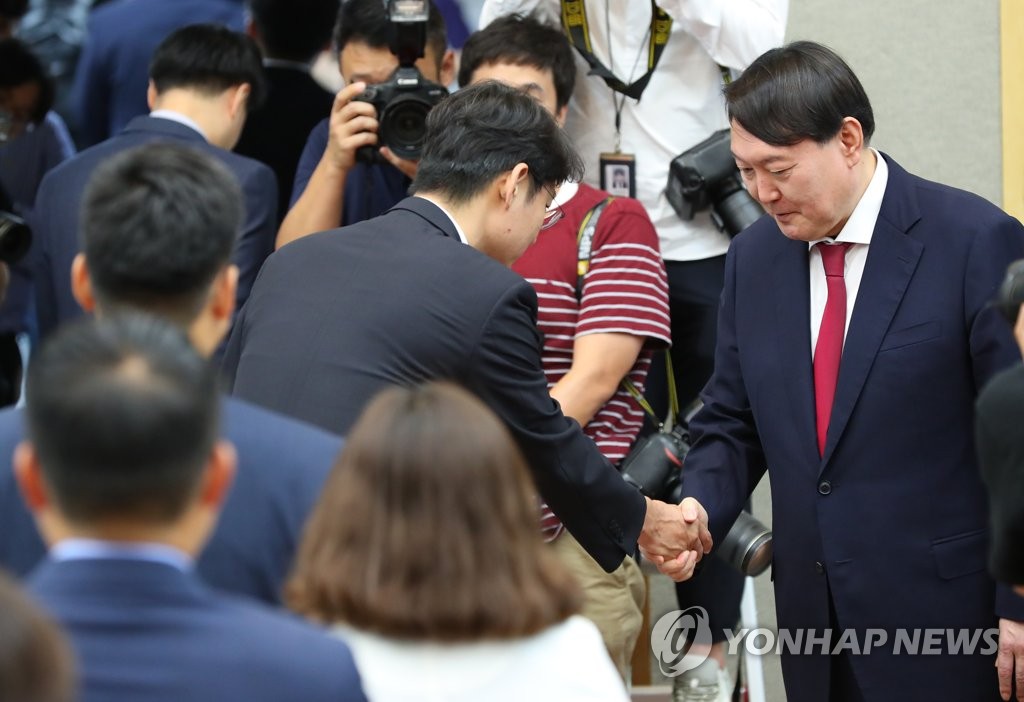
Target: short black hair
{"x":209,"y":58}
{"x":158,"y":223}
{"x":484,"y":130}
{"x":293,"y":30}
{"x":367,"y":21}
{"x":123,"y":415}
{"x":13,"y":9}
{"x":800,"y":91}
{"x":18,"y":66}
{"x":521,"y":41}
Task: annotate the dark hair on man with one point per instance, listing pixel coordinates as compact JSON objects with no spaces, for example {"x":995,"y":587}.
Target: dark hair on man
{"x":293,"y":30}
{"x":521,"y":41}
{"x":13,"y":9}
{"x":19,"y":66}
{"x":427,"y":528}
{"x":367,"y":21}
{"x":208,"y":58}
{"x":483,"y":131}
{"x":36,"y":663}
{"x":158,"y":223}
{"x":123,"y":415}
{"x":801,"y":91}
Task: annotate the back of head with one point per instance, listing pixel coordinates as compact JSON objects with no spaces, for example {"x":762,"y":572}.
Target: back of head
{"x":11,"y":12}
{"x":367,"y":21}
{"x":521,"y":41}
{"x":293,"y":30}
{"x":483,"y":131}
{"x":801,"y":91}
{"x":123,"y":415}
{"x":428,"y":528}
{"x":19,"y":66}
{"x":158,"y":223}
{"x":208,"y":59}
{"x":36,"y":663}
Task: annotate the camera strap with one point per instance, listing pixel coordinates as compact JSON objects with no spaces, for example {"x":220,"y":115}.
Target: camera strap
{"x":584,"y":245}
{"x":574,"y":23}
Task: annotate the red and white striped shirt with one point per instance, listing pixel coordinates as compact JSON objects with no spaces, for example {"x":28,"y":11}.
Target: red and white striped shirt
{"x":625,"y":291}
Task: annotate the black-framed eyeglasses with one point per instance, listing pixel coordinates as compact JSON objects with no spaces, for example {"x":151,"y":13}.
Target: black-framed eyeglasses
{"x":554,"y":211}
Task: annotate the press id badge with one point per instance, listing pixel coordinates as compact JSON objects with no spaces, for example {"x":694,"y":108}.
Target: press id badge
{"x":618,"y":174}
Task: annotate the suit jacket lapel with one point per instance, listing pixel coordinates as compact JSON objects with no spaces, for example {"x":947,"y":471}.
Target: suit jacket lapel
{"x":891,"y":262}
{"x":792,"y":312}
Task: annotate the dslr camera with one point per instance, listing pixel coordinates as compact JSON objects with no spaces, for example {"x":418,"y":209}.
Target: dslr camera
{"x":706,"y":177}
{"x":403,"y":101}
{"x":15,"y":236}
{"x":654,"y":467}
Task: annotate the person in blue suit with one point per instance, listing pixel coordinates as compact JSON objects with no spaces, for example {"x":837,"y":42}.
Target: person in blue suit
{"x":159,"y":226}
{"x":203,"y":80}
{"x":109,"y":88}
{"x":125,"y":475}
{"x":880,"y":516}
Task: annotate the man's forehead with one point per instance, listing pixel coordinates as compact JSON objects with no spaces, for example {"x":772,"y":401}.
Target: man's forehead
{"x":359,"y":61}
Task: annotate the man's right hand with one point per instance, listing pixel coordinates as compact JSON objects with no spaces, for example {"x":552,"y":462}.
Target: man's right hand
{"x":353,"y":124}
{"x":675,"y":537}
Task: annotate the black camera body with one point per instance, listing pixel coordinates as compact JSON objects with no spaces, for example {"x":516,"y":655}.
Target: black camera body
{"x":655,"y":468}
{"x":706,"y":177}
{"x":15,"y":237}
{"x":406,"y":97}
{"x":1011,"y":292}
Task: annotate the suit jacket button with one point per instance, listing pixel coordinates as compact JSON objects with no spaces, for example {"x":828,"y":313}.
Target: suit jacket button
{"x":819,"y":567}
{"x":824,"y":487}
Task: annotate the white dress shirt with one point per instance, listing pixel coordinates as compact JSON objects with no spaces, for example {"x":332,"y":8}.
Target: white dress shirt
{"x":857,"y":231}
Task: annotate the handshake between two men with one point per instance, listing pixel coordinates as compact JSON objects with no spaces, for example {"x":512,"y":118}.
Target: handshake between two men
{"x":675,"y":537}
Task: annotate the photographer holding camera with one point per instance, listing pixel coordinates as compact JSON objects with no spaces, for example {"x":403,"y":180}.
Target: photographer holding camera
{"x":347,"y":173}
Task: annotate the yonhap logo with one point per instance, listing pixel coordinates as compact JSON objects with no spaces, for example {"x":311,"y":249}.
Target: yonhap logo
{"x":675,"y":634}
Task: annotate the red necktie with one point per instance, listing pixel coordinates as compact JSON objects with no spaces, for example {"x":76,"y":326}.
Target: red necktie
{"x":829,"y":348}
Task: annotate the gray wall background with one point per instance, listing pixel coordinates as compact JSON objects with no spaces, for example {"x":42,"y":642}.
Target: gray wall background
{"x":931,"y":69}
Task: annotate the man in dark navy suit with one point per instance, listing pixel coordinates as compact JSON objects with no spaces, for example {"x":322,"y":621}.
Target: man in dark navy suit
{"x":109,"y":87}
{"x":424,"y":292}
{"x":202,"y":81}
{"x":854,"y":335}
{"x":125,"y":475}
{"x":158,"y":229}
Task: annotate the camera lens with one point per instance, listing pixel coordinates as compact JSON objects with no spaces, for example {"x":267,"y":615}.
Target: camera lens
{"x":733,"y":209}
{"x":15,"y":238}
{"x":404,"y":125}
{"x":747,"y":546}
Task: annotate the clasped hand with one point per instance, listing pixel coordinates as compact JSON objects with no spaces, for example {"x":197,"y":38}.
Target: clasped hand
{"x":675,"y":537}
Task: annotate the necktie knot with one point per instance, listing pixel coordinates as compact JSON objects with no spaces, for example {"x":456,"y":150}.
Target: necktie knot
{"x":833,"y":257}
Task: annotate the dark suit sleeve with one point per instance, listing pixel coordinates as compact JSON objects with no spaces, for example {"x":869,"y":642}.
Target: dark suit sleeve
{"x":256,"y":241}
{"x":992,"y":345}
{"x":589,"y":496}
{"x":42,"y":260}
{"x":90,"y":93}
{"x":726,"y":461}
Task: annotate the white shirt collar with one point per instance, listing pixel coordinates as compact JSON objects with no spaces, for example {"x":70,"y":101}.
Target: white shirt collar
{"x":458,"y":229}
{"x":565,"y":193}
{"x":180,"y":119}
{"x":91,"y":549}
{"x":861,"y":224}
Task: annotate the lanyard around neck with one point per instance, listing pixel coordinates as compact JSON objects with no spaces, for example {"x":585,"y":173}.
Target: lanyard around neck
{"x":574,"y":23}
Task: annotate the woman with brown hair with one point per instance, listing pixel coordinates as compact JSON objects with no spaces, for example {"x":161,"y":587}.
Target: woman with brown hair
{"x":425,"y":554}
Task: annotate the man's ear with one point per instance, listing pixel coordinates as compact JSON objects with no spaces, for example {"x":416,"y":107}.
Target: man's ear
{"x":29,"y":476}
{"x":562,"y":114}
{"x":447,"y":72}
{"x":509,"y":185}
{"x":219,"y":474}
{"x":81,"y":284}
{"x":851,"y":139}
{"x":151,"y":95}
{"x":238,"y":98}
{"x":225,"y":287}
